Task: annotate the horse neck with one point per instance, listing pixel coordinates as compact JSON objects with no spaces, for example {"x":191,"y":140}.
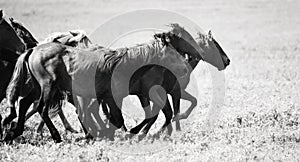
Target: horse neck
{"x":8,"y":55}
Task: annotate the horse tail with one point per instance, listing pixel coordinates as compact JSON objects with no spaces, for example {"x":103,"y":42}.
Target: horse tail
{"x":18,"y":79}
{"x":58,"y":101}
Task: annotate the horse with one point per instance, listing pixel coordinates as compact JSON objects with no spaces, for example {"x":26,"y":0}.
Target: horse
{"x":210,"y":51}
{"x":10,"y":48}
{"x":75,"y":38}
{"x":185,"y":45}
{"x":71,"y":67}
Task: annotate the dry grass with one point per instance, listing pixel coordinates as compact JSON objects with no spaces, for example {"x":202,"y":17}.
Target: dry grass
{"x":261,"y":115}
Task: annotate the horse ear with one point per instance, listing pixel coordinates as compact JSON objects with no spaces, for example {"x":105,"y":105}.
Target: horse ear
{"x":210,"y":35}
{"x":1,"y":13}
{"x":163,"y":37}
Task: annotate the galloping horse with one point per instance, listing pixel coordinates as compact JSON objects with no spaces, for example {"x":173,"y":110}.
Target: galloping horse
{"x":209,"y":51}
{"x":75,"y":38}
{"x":10,"y":48}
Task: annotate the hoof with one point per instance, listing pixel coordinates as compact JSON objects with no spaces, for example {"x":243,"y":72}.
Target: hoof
{"x":71,"y":130}
{"x":40,"y":132}
{"x":57,"y":140}
{"x":6,"y":122}
{"x":124,"y":128}
{"x":178,"y":127}
{"x":9,"y":136}
{"x":177,"y":117}
{"x":88,"y":136}
{"x":13,"y":125}
{"x":141,"y":136}
{"x":129,"y":135}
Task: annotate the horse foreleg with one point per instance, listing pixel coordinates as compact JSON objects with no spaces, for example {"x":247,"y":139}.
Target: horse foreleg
{"x":11,"y":116}
{"x":159,"y":98}
{"x":24,"y":105}
{"x":115,"y":112}
{"x":88,"y":120}
{"x":186,"y":96}
{"x":167,"y":110}
{"x":147,"y":109}
{"x":94,"y":109}
{"x":151,"y":121}
{"x":79,"y":103}
{"x":176,"y":106}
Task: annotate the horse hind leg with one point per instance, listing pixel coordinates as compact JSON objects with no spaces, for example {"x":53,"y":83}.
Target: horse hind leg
{"x":0,"y":127}
{"x":1,"y":131}
{"x":32,"y":112}
{"x":44,"y":103}
{"x":81,"y":104}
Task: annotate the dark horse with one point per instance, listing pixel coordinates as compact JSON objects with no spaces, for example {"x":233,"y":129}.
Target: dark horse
{"x":207,"y":49}
{"x":10,"y":48}
{"x":57,"y":68}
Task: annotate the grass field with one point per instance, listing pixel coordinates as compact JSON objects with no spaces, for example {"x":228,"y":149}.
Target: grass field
{"x":260,"y":119}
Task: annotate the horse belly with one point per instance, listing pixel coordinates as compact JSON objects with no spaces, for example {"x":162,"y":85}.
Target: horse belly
{"x":84,"y":85}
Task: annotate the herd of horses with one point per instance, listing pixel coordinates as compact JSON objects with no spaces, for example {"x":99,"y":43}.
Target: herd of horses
{"x":68,"y":66}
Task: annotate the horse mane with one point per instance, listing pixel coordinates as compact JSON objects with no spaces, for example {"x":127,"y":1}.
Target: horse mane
{"x":69,"y":38}
{"x":176,"y":29}
{"x":26,"y":35}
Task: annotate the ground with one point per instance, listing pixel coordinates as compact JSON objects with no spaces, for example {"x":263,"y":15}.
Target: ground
{"x":261,"y":113}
